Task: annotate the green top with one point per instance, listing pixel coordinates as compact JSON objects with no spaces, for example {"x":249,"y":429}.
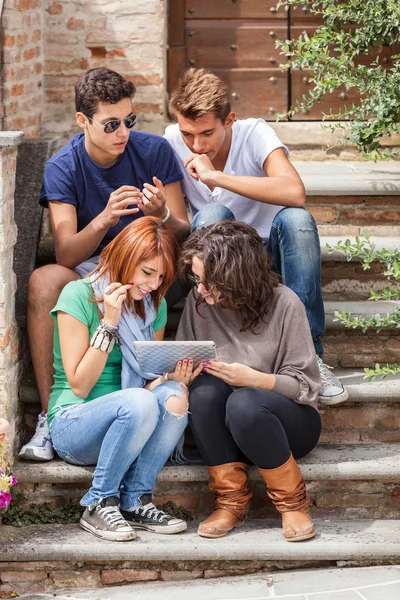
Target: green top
{"x":76,"y":299}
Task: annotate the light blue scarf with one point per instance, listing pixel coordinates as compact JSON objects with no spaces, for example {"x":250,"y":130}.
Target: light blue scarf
{"x":131,"y":328}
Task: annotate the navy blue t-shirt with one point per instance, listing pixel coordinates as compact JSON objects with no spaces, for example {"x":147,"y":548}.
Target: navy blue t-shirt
{"x":71,"y":176}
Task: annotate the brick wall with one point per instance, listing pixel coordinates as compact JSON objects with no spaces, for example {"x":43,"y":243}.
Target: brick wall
{"x":22,"y":66}
{"x":116,"y":34}
{"x":8,"y":331}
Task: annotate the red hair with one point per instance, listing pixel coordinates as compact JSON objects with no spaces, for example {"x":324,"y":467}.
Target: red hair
{"x":144,"y":239}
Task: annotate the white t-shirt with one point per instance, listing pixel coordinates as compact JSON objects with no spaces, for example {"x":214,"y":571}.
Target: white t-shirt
{"x":252,"y":141}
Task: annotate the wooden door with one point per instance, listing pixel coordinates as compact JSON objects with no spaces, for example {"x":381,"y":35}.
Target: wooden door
{"x":236,"y":40}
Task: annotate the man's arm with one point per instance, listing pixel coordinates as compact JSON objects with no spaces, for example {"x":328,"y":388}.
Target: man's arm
{"x":73,"y":247}
{"x":282,"y":184}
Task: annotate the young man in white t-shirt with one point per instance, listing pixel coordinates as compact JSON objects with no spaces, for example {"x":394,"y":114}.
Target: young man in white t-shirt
{"x":240,"y":170}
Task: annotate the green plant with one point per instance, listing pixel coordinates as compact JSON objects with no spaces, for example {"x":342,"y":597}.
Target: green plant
{"x":344,"y":52}
{"x":365,"y":250}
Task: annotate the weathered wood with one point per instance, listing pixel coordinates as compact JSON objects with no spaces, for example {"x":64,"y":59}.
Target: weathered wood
{"x":233,"y":9}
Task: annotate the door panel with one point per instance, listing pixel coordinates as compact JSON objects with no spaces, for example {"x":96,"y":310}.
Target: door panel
{"x":256,"y":92}
{"x":233,"y":9}
{"x":233,"y":44}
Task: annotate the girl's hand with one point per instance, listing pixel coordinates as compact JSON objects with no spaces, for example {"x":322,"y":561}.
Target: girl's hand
{"x":115,"y":295}
{"x":184,"y":372}
{"x":234,"y":374}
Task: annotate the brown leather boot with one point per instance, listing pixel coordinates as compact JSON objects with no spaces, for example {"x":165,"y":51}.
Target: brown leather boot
{"x":287,"y":490}
{"x":233,"y":494}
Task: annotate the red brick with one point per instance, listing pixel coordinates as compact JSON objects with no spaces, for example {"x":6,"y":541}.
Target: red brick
{"x":36,"y":35}
{"x":117,"y":53}
{"x":55,"y":8}
{"x":323,"y":214}
{"x":384,"y":200}
{"x":62,"y":39}
{"x":143,"y":80}
{"x":24,"y":4}
{"x":75,"y":24}
{"x":9,"y":41}
{"x":112,"y":576}
{"x":22,"y":39}
{"x":8,"y":576}
{"x":180,"y":575}
{"x":98,"y":51}
{"x":363,"y":214}
{"x":334,"y":200}
{"x":73,"y":579}
{"x":146,"y":107}
{"x":17,"y":89}
{"x":30,"y":54}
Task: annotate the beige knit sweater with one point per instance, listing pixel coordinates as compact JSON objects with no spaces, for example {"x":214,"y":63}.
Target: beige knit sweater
{"x":283,"y":345}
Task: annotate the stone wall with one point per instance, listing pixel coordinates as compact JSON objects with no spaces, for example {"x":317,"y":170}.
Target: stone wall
{"x":127,"y":36}
{"x":8,"y":330}
{"x":22,"y":83}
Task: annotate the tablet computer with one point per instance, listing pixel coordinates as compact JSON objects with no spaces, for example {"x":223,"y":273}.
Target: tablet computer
{"x":161,"y":357}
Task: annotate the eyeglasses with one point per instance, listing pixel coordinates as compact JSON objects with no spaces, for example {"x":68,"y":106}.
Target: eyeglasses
{"x":113,"y":125}
{"x":195,"y":279}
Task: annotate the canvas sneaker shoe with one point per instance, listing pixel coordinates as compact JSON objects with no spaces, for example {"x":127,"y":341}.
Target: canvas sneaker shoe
{"x":332,"y":390}
{"x":40,"y":447}
{"x":149,"y":517}
{"x":105,"y":520}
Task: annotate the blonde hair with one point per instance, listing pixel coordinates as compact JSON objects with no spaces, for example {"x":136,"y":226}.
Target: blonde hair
{"x":198,"y":93}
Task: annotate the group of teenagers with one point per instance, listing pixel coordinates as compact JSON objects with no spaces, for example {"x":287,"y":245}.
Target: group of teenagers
{"x":125,"y":251}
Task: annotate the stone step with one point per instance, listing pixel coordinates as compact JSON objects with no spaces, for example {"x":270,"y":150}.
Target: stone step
{"x":355,"y":481}
{"x":258,"y":540}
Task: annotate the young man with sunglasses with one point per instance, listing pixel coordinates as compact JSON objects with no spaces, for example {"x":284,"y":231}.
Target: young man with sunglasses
{"x":101,"y":180}
{"x":240,"y":170}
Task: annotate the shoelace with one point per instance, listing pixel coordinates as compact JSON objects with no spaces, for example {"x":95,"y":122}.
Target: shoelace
{"x":151,"y":511}
{"x":112,"y":516}
{"x":326,"y":375}
{"x":39,"y":433}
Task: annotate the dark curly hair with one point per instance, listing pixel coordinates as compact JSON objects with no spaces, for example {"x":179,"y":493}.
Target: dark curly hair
{"x":236,"y":265}
{"x":100,"y":85}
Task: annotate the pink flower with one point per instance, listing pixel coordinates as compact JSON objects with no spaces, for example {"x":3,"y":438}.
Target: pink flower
{"x":5,"y":499}
{"x":14,"y":480}
{"x":4,"y":426}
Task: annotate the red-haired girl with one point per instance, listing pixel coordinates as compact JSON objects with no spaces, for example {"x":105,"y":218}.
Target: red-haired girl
{"x":103,"y":410}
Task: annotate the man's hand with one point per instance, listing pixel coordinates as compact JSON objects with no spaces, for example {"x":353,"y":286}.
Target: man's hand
{"x":153,"y":201}
{"x":117,"y":205}
{"x":200,"y":168}
{"x":234,"y":374}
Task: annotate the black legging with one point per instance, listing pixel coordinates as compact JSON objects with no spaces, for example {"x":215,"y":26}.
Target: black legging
{"x":249,"y":424}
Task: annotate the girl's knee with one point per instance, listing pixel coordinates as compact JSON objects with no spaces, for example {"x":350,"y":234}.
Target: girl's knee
{"x":240,"y":410}
{"x":139,"y":404}
{"x":177,"y":405}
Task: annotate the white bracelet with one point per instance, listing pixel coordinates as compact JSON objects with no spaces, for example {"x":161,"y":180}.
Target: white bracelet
{"x":167,"y":216}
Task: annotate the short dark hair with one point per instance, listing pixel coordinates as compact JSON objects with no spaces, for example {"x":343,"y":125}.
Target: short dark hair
{"x":100,"y":85}
{"x":198,"y":93}
{"x":237,"y":265}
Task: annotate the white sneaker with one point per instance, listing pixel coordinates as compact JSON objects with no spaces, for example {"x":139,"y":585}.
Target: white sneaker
{"x":332,"y":390}
{"x":40,"y":447}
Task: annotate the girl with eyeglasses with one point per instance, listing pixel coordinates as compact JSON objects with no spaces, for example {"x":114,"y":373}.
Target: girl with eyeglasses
{"x":257,"y":403}
{"x":103,"y":409}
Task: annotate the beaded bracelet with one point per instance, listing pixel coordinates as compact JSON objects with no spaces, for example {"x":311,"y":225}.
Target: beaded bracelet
{"x":104,"y":337}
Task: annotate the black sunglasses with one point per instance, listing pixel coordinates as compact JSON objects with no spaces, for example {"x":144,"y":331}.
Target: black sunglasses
{"x":113,"y":125}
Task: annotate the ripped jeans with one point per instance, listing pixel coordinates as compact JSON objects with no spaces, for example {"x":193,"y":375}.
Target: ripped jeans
{"x":296,"y":254}
{"x":128,"y":435}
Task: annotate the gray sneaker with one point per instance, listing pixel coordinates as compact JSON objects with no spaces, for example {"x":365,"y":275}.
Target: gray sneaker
{"x":40,"y":446}
{"x":105,"y":520}
{"x":149,"y":517}
{"x":332,"y":390}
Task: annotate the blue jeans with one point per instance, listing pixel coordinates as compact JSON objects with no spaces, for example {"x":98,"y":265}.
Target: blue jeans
{"x":296,"y":255}
{"x":128,"y":435}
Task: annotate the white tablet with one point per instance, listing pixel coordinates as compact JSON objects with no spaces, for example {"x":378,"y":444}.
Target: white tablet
{"x":161,"y":357}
